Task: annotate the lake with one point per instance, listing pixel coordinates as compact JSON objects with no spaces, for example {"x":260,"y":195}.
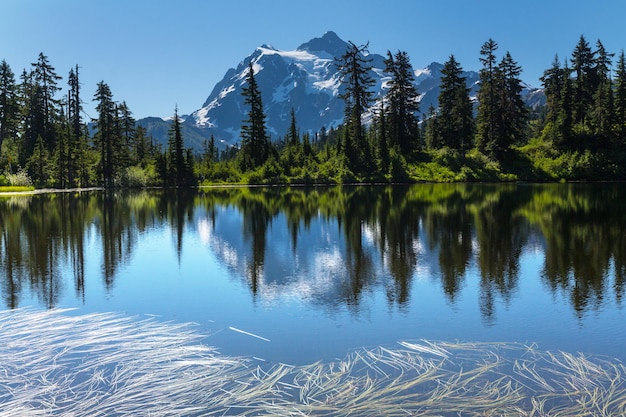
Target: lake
{"x":298,"y":275}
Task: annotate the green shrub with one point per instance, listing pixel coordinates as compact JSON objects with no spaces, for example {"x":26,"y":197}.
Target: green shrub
{"x":398,"y":167}
{"x":19,"y":179}
{"x":137,"y":177}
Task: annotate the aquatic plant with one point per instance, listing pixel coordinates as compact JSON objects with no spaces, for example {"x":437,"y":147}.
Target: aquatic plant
{"x":58,"y":363}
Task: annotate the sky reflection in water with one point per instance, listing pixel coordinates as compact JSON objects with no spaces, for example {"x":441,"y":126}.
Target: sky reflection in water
{"x":319,"y":272}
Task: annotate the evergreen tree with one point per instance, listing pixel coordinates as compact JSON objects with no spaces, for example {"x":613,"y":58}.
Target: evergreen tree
{"x":455,"y":119}
{"x":431,"y":129}
{"x":177,"y":164}
{"x":486,"y":118}
{"x":190,"y":178}
{"x":210,"y":152}
{"x":511,"y":110}
{"x":9,"y":107}
{"x":565,"y":119}
{"x":213,"y":151}
{"x":382,"y":141}
{"x":45,"y":80}
{"x":354,"y":71}
{"x":142,"y":147}
{"x":62,"y":151}
{"x":105,"y":136}
{"x":125,"y":124}
{"x":403,"y":103}
{"x":558,"y":89}
{"x":74,"y":103}
{"x":620,"y":99}
{"x":38,"y":164}
{"x":552,"y":80}
{"x":502,"y":114}
{"x":602,"y":111}
{"x":294,"y":137}
{"x":255,"y":147}
{"x":585,"y":81}
{"x":76,"y":140}
{"x":32,"y":116}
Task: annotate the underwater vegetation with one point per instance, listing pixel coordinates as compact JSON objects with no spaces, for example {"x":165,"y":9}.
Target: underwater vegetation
{"x":55,"y":362}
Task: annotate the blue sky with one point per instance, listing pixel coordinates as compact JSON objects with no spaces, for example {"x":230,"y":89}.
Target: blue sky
{"x":158,"y":54}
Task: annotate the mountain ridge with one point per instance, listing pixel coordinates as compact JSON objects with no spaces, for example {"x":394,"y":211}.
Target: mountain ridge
{"x":306,"y":80}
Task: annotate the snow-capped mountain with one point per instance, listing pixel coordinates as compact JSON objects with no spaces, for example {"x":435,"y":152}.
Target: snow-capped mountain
{"x":306,"y":79}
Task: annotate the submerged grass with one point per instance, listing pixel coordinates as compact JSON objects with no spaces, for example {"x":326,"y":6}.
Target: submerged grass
{"x":54,"y":363}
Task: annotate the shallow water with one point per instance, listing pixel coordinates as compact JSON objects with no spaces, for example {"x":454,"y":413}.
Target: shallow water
{"x":116,"y":365}
{"x":297,"y":275}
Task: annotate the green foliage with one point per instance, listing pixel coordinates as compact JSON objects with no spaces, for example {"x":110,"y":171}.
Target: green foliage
{"x":403,"y":103}
{"x":271,"y":172}
{"x":19,"y":179}
{"x":454,"y":125}
{"x":579,"y":135}
{"x":138,"y":177}
{"x":255,"y":146}
{"x":502,"y":114}
{"x":179,"y":161}
{"x":224,"y":172}
{"x":354,"y":71}
{"x":15,"y":188}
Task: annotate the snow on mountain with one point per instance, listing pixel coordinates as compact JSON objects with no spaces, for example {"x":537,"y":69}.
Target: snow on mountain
{"x":306,"y":80}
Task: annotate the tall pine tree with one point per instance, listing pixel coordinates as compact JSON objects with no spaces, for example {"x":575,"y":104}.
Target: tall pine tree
{"x":602,"y":111}
{"x":402,"y":97}
{"x":455,"y":117}
{"x":77,"y":164}
{"x":105,"y":136}
{"x":9,"y":108}
{"x":294,"y":136}
{"x":620,"y":100}
{"x":585,"y":81}
{"x":354,"y":70}
{"x":255,"y":146}
{"x":178,"y":174}
{"x":45,"y":80}
{"x":486,"y":117}
{"x":502,"y":114}
{"x":552,"y":80}
{"x":512,"y":111}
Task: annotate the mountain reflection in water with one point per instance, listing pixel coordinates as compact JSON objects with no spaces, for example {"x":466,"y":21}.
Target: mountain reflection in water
{"x":332,"y":247}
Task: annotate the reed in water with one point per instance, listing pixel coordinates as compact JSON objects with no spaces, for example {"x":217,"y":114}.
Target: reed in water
{"x":61,"y":364}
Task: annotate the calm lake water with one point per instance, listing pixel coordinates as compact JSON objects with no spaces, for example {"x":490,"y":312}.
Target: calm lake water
{"x":311,"y":274}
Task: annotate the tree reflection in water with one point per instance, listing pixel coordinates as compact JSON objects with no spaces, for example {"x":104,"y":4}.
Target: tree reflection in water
{"x":379,"y":236}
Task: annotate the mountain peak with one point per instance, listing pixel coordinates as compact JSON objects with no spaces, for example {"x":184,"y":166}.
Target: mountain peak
{"x":329,"y":42}
{"x":305,"y":80}
{"x":267,"y":46}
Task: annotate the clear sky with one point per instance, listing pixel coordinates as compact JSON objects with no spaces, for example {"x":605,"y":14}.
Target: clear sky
{"x":158,"y":54}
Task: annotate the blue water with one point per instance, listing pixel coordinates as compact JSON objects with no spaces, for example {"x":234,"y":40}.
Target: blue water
{"x":240,"y":274}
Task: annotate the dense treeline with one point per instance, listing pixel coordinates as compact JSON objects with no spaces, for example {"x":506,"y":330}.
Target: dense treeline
{"x":579,"y":134}
{"x":45,"y":139}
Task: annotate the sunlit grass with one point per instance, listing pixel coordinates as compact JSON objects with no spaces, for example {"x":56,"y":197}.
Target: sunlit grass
{"x":16,"y":188}
{"x":55,"y":363}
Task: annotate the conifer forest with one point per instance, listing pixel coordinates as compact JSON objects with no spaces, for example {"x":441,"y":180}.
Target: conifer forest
{"x":48,"y":141}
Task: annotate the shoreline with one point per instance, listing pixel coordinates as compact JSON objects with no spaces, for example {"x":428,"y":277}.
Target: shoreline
{"x":49,"y":191}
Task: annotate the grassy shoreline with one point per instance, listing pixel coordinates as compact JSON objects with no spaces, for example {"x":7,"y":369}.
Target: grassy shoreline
{"x":7,"y":191}
{"x":532,"y":163}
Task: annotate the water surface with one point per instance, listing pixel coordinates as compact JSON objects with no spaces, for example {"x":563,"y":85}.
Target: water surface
{"x":318,"y":272}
